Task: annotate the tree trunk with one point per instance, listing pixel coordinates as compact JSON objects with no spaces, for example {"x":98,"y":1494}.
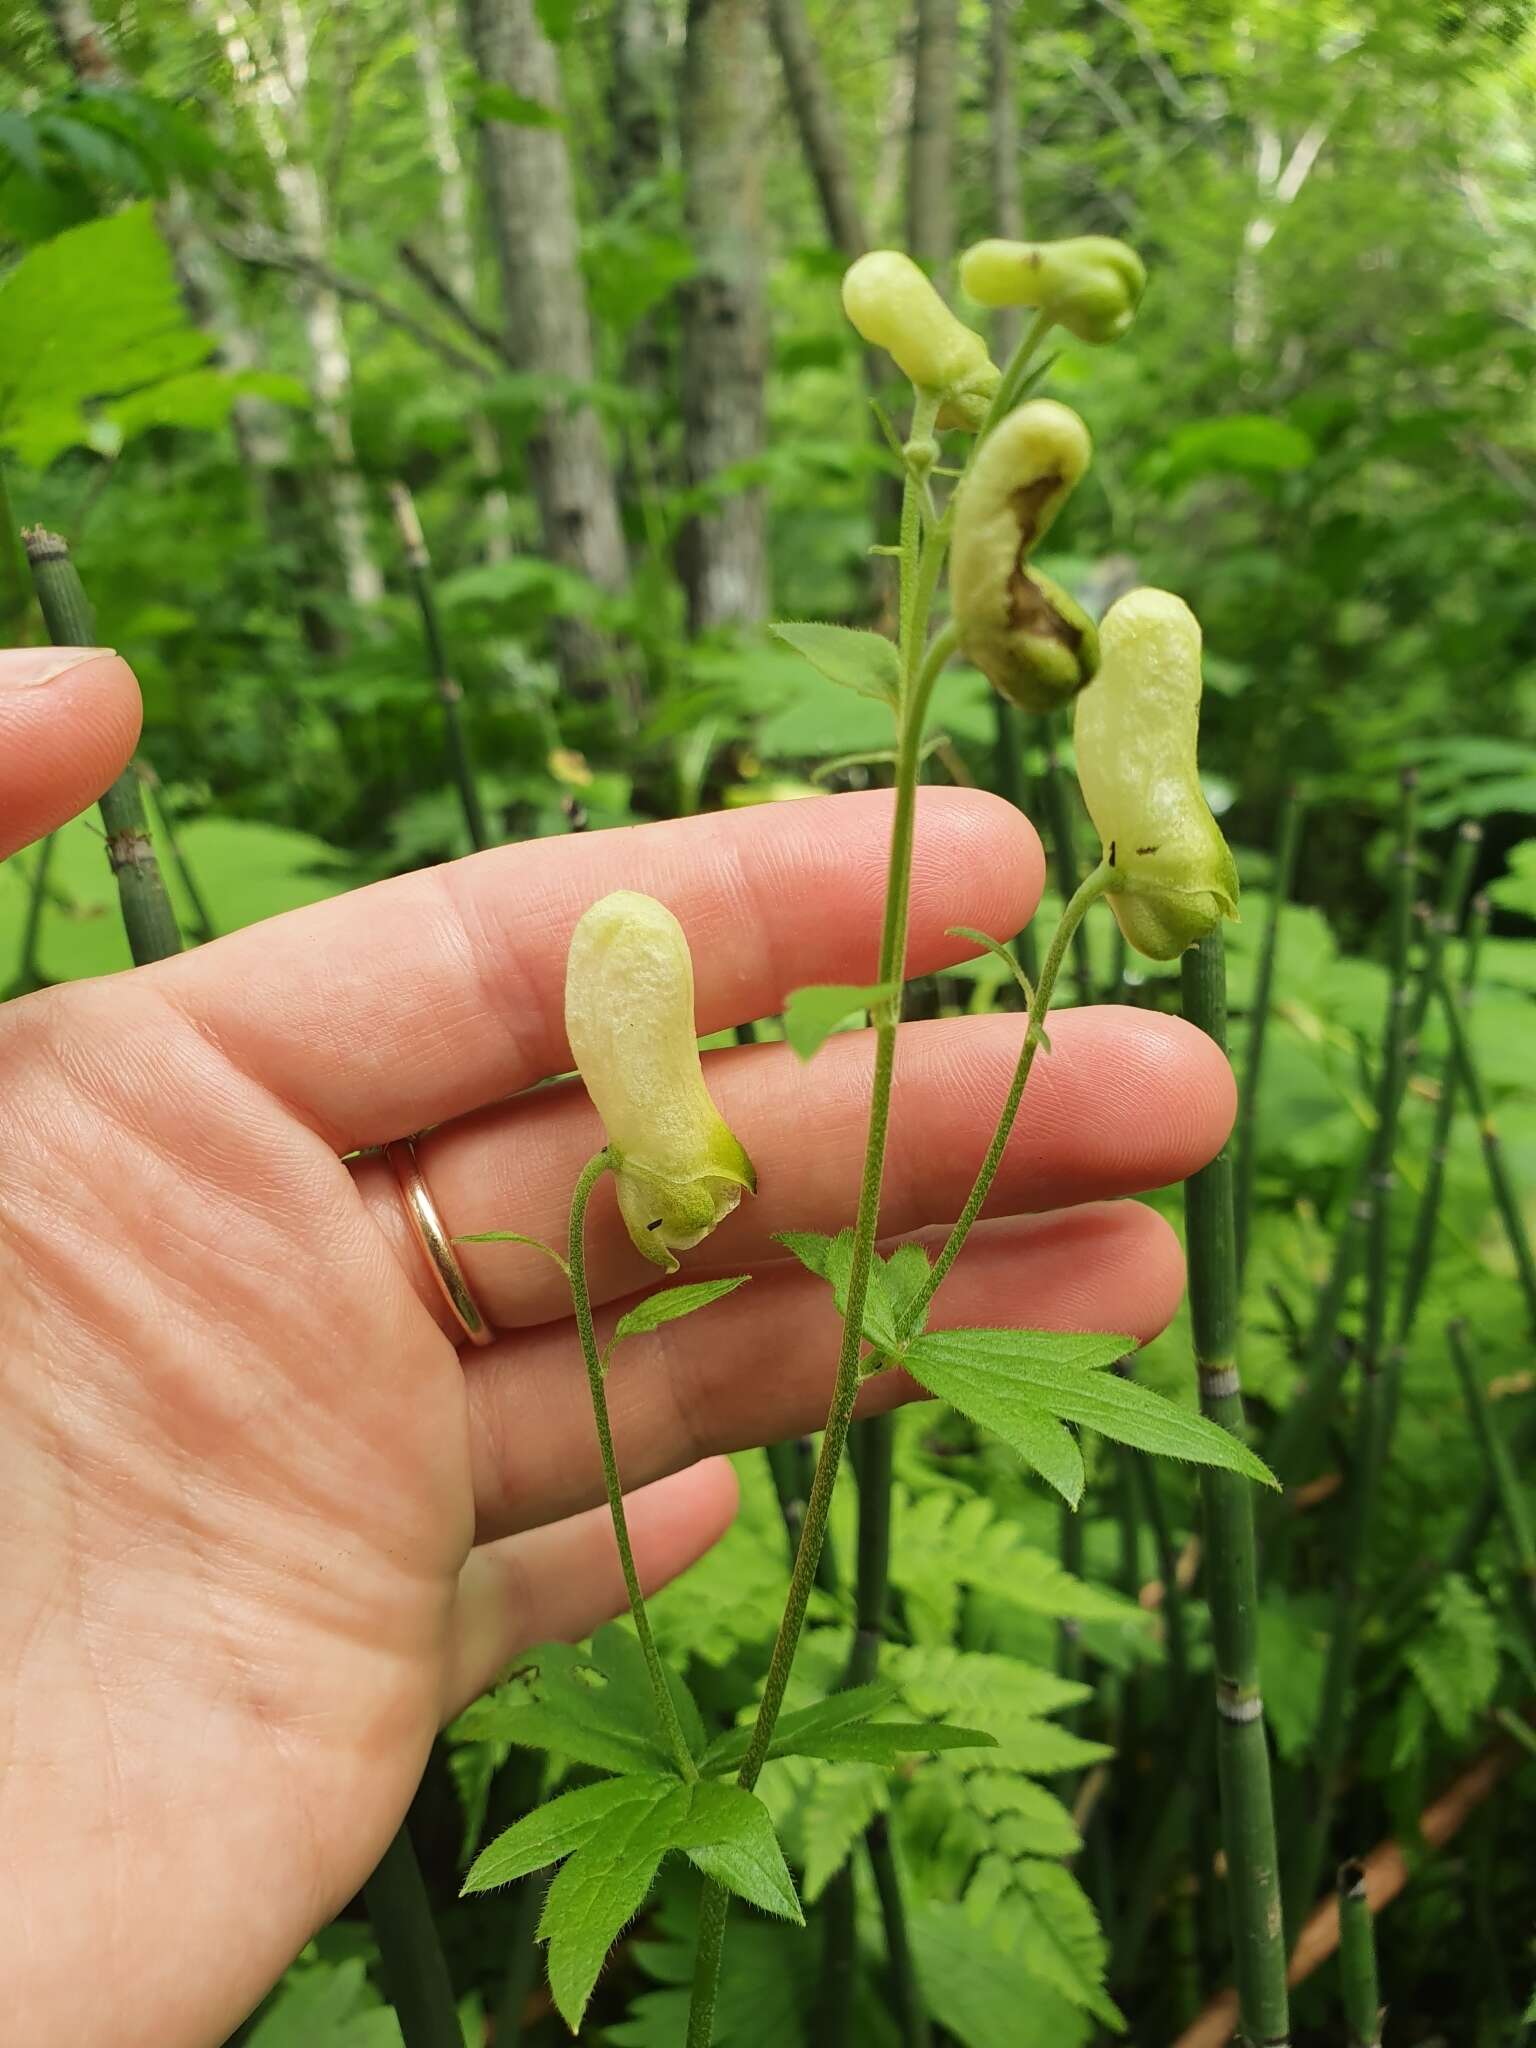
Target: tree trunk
{"x":430,"y":32}
{"x":272,"y":82}
{"x":1005,"y":165}
{"x":820,"y":130}
{"x":724,"y":556}
{"x":931,"y":143}
{"x":638,"y":93}
{"x":531,"y":200}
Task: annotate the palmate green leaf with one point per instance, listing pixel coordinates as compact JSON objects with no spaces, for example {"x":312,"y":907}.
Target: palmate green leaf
{"x":590,"y":1708}
{"x":1000,"y":1377}
{"x":600,"y":1888}
{"x":610,"y":1840}
{"x":63,"y":341}
{"x":865,"y":662}
{"x":977,"y":1990}
{"x":563,"y":1825}
{"x":826,"y":1717}
{"x":894,"y":1283}
{"x":812,"y":1014}
{"x":729,"y":1836}
{"x":668,"y":1303}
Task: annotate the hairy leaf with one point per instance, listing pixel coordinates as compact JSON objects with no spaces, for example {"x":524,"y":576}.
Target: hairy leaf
{"x":668,"y":1303}
{"x":865,"y":662}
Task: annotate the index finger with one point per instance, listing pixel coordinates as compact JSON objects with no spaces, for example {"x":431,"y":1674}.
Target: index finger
{"x":416,"y":1000}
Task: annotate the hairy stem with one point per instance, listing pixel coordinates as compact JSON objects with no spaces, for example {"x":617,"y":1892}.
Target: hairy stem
{"x":576,"y":1255}
{"x":1242,"y":1750}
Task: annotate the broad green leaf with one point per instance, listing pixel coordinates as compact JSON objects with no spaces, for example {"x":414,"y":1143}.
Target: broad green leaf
{"x":201,"y":398}
{"x":65,"y":341}
{"x":326,"y":2005}
{"x":866,"y":662}
{"x":1025,"y":1423}
{"x":669,"y":1303}
{"x":886,"y":1742}
{"x":837,"y":1711}
{"x":977,"y":1990}
{"x":812,"y":1014}
{"x":599,"y":1889}
{"x":893,"y":1283}
{"x":559,"y":1699}
{"x":728,"y":1834}
{"x":617,"y":1654}
{"x":562,"y":1826}
{"x":987,"y":1373}
{"x":1245,"y":443}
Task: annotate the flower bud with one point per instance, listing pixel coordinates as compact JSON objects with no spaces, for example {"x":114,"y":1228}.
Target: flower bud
{"x":1089,"y":284}
{"x":894,"y":307}
{"x":678,"y":1168}
{"x":1136,"y":736}
{"x":1030,"y":639}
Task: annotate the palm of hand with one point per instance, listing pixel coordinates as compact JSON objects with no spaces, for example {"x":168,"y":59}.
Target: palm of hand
{"x":243,"y":1466}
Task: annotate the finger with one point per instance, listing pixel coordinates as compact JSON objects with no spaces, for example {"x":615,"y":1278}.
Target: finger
{"x":556,"y":1584}
{"x":69,"y":719}
{"x":1126,"y":1100}
{"x":758,"y":1366}
{"x":413,"y":1001}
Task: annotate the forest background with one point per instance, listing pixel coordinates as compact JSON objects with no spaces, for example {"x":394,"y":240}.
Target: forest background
{"x":559,"y":281}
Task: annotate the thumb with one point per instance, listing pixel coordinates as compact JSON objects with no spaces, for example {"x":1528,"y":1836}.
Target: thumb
{"x":69,"y":718}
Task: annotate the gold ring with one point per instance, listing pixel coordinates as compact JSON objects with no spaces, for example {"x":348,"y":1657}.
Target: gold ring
{"x":435,"y":1241}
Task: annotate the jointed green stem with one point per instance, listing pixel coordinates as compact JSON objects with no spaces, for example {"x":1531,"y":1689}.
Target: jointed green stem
{"x":666,"y":1709}
{"x":148,"y":918}
{"x":1357,"y":1959}
{"x":1247,"y":1803}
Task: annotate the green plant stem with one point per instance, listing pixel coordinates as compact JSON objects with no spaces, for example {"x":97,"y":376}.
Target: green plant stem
{"x":906,"y":1990}
{"x":1311,"y":1836}
{"x":1011,"y":384}
{"x":1054,"y":795}
{"x":1008,"y":779}
{"x":411,"y":1960}
{"x":1443,"y":924}
{"x":1357,"y":1959}
{"x":1247,"y":1803}
{"x":1502,"y":1480}
{"x":1287,"y":844}
{"x":148,"y":917}
{"x":576,"y":1254}
{"x":921,"y":563}
{"x":450,"y":691}
{"x":1505,"y":1194}
{"x":1098,"y":884}
{"x":27,"y":974}
{"x":165,"y":825}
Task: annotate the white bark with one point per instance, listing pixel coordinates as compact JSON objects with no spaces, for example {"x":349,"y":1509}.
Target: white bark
{"x":724,"y":104}
{"x":271,"y":81}
{"x":530,"y":196}
{"x":430,"y":32}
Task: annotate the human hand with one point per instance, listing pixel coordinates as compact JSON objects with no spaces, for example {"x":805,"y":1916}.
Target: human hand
{"x":265,"y":1528}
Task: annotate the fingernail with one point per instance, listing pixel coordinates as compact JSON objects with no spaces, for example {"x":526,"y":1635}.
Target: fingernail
{"x":24,"y":668}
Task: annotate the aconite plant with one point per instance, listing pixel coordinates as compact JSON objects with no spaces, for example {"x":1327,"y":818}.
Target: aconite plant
{"x":980,"y":503}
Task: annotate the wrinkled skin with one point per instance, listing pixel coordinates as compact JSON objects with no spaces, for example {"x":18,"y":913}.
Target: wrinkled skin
{"x":264,"y":1527}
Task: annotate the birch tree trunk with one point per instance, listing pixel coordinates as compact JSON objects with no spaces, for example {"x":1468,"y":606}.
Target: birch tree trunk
{"x":931,"y":141}
{"x":531,"y":200}
{"x":271,"y":80}
{"x":820,"y":130}
{"x":430,"y":32}
{"x":723,"y":111}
